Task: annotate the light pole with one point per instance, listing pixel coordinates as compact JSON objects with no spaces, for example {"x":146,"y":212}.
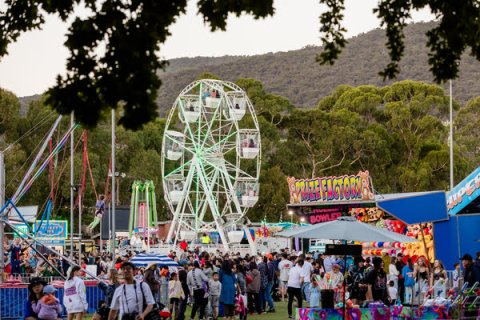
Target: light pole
{"x":290,"y":213}
{"x":451,"y":136}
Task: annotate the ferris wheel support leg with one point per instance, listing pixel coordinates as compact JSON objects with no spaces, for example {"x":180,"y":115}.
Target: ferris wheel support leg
{"x":212,"y":204}
{"x":176,"y":215}
{"x":251,"y":242}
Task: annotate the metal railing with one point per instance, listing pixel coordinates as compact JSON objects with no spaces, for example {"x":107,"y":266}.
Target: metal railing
{"x":14,"y":298}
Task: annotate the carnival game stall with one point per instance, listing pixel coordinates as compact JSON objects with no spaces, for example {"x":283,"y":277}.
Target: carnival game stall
{"x":324,"y":199}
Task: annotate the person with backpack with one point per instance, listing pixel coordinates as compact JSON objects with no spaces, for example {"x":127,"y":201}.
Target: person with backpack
{"x":133,"y":299}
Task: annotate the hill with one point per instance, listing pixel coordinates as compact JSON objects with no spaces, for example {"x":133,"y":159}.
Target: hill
{"x":296,"y":75}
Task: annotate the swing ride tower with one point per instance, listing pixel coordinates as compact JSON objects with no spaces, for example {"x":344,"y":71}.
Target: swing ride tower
{"x":211,"y":158}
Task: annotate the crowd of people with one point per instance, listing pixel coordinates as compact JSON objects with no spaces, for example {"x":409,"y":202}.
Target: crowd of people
{"x":233,"y":285}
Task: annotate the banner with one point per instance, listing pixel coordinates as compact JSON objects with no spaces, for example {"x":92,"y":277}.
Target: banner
{"x":331,"y":189}
{"x":56,"y":229}
{"x":464,"y":193}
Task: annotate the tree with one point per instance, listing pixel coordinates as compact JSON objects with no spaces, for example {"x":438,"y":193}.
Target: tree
{"x":132,"y":31}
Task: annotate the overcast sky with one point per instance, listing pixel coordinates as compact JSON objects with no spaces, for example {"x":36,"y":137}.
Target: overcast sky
{"x":38,"y":57}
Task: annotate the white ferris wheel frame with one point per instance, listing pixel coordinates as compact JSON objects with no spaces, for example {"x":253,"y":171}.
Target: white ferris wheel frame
{"x":207,"y":164}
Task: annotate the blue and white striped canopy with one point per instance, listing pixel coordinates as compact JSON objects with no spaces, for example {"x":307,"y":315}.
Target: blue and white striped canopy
{"x":144,"y":259}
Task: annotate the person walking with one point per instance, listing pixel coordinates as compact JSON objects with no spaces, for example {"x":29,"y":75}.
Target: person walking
{"x":227,"y":295}
{"x":294,"y":286}
{"x":196,"y":280}
{"x":182,"y":277}
{"x":175,"y":293}
{"x":271,"y":271}
{"x":133,"y":299}
{"x":214,"y":290}
{"x":108,"y":291}
{"x":253,"y":288}
{"x":75,"y":295}
{"x":153,"y":283}
{"x":284,"y":267}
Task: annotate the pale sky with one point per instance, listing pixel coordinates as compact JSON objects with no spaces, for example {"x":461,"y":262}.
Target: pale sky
{"x":38,"y":57}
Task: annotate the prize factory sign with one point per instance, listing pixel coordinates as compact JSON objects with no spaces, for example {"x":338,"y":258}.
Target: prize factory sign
{"x":329,"y":190}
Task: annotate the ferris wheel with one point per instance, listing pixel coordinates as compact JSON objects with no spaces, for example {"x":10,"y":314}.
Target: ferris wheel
{"x":211,"y":157}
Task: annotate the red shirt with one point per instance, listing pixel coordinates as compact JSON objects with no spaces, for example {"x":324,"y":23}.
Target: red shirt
{"x":183,"y":245}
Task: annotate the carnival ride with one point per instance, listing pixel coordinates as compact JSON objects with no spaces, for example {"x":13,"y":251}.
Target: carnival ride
{"x":11,"y":216}
{"x":143,"y":209}
{"x":211,"y":157}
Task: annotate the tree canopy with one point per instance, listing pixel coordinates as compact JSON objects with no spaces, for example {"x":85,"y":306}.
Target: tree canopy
{"x":130,"y":34}
{"x":397,"y":132}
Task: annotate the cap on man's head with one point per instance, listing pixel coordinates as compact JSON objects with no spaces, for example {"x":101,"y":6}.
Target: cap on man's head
{"x":49,"y":289}
{"x":127,"y":264}
{"x":467,"y":257}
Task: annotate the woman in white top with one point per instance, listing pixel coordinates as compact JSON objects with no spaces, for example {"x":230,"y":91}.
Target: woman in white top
{"x":75,"y":295}
{"x":393,"y":272}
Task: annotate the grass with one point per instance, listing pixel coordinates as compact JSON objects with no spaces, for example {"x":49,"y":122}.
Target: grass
{"x":280,"y":307}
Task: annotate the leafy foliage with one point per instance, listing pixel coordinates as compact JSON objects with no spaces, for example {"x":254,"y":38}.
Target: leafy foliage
{"x":113,"y":49}
{"x":398,"y":132}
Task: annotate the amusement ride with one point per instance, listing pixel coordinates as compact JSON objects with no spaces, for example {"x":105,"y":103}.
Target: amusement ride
{"x":211,"y":158}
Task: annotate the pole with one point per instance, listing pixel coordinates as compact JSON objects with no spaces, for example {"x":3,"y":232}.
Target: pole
{"x":451,"y":137}
{"x":72,"y":191}
{"x":2,"y":225}
{"x":112,"y":201}
{"x":80,"y":227}
{"x":101,"y":244}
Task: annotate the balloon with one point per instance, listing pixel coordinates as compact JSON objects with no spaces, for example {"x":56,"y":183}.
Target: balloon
{"x":380,"y":244}
{"x":387,"y":245}
{"x":374,"y":244}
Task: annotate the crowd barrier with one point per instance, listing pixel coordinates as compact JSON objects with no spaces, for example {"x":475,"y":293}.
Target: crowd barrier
{"x":14,"y":297}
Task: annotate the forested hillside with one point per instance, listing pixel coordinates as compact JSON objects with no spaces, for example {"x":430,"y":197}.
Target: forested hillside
{"x":297,"y":76}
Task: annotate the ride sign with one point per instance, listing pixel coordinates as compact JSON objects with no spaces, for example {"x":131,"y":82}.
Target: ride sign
{"x":53,"y":229}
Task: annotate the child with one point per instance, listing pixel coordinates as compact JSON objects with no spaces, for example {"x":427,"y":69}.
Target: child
{"x":456,"y":275}
{"x":99,"y":210}
{"x":214,"y":289}
{"x":48,"y":307}
{"x":314,"y":293}
{"x":392,"y":293}
{"x":175,"y":292}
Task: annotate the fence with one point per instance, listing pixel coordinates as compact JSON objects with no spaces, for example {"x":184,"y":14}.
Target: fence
{"x":14,"y":298}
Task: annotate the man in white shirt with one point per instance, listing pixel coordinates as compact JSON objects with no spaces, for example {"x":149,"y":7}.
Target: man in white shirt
{"x":284,"y":267}
{"x":295,"y":281}
{"x":131,"y":297}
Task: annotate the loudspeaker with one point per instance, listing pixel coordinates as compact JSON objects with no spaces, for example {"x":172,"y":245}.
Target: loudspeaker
{"x":343,"y":249}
